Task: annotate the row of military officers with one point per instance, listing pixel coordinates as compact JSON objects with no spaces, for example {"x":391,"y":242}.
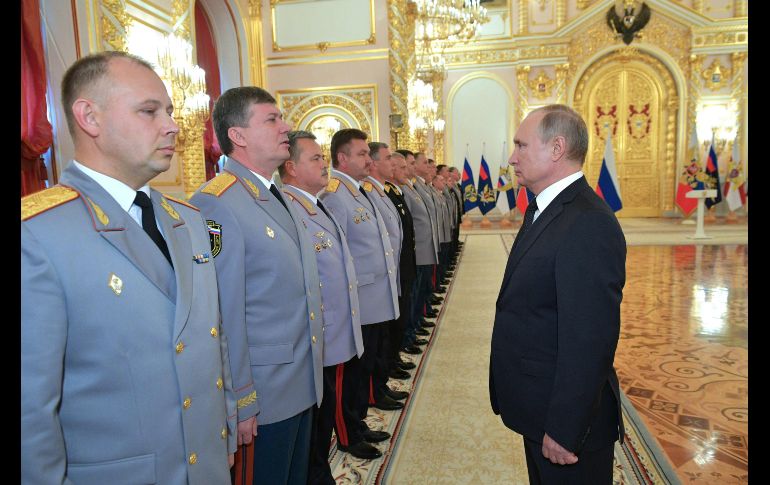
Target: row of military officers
{"x":163,"y":340}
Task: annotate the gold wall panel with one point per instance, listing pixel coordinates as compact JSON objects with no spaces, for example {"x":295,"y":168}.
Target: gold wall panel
{"x":321,"y":45}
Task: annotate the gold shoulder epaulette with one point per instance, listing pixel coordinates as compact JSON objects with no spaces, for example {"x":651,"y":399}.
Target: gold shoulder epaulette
{"x":367,"y":186}
{"x":387,"y":187}
{"x":303,"y":202}
{"x":333,"y":185}
{"x":219,"y":184}
{"x":44,"y":200}
{"x":180,"y":201}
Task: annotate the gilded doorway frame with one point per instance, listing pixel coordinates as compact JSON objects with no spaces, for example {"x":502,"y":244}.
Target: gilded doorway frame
{"x":670,"y":113}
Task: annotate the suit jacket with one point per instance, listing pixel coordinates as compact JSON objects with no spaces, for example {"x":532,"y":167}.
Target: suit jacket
{"x":390,"y":217}
{"x":425,"y":193}
{"x":369,"y":244}
{"x":123,"y":361}
{"x":269,"y":293}
{"x":557,"y":324}
{"x":408,"y":262}
{"x":425,"y":240}
{"x":442,"y":211}
{"x":339,"y":298}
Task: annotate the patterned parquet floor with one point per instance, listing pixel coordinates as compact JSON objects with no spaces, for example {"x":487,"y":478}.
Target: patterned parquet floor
{"x":682,"y":358}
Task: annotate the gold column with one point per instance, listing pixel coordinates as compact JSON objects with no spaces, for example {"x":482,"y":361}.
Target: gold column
{"x":522,"y":78}
{"x":190,"y":137}
{"x":694,"y":87}
{"x":523,"y":16}
{"x":438,"y":137}
{"x":254,"y":29}
{"x":738,"y":59}
{"x":561,"y":13}
{"x":671,"y":174}
{"x":113,"y":25}
{"x":741,"y":8}
{"x":401,"y":63}
{"x":562,"y":71}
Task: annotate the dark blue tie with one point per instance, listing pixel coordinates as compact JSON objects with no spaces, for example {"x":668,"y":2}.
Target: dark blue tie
{"x":149,"y":225}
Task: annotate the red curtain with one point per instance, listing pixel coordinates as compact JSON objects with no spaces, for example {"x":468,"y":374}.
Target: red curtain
{"x":207,"y":60}
{"x":36,"y":131}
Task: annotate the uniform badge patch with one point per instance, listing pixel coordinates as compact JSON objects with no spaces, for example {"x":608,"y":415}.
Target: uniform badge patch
{"x":215,"y":236}
{"x":115,"y":283}
{"x":270,"y":232}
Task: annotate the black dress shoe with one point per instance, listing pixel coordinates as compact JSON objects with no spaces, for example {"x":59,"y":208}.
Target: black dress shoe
{"x":427,"y":324}
{"x":432,"y":314}
{"x":422,"y":331}
{"x":435,"y":300}
{"x":405,"y":365}
{"x":387,"y":404}
{"x":361,"y":450}
{"x":444,"y":282}
{"x":372,"y":436}
{"x":397,"y":395}
{"x":420,"y":341}
{"x":413,"y":350}
{"x":399,"y":374}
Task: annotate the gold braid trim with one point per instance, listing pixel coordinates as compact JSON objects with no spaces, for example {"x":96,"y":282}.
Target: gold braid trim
{"x":248,"y":400}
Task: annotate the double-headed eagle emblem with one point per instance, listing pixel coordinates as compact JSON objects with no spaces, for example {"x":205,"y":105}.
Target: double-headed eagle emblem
{"x":627,"y":20}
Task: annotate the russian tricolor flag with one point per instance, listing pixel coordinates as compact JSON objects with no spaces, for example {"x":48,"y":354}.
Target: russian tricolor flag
{"x":608,"y":186}
{"x":522,"y":199}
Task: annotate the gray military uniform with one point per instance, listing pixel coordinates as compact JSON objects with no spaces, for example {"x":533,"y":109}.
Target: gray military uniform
{"x":426,"y":245}
{"x":369,"y":243}
{"x":270,"y":296}
{"x":391,"y":218}
{"x":339,"y":296}
{"x":124,"y":373}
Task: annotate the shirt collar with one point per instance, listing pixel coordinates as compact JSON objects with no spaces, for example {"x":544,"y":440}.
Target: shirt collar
{"x":306,"y":194}
{"x":375,"y":181}
{"x":549,"y":193}
{"x":355,"y":182}
{"x":122,"y":193}
{"x":421,"y":179}
{"x":262,"y":179}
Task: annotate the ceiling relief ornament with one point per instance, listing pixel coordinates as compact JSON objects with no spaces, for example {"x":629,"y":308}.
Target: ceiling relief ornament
{"x":716,"y":76}
{"x":114,"y":25}
{"x":541,"y":86}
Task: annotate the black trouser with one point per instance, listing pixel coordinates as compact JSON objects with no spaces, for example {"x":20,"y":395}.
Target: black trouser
{"x":374,"y":365}
{"x":397,"y":330}
{"x":592,"y":467}
{"x":324,"y":420}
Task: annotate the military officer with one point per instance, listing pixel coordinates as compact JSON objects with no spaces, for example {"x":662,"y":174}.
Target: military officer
{"x":426,"y":253}
{"x":369,"y":243}
{"x":304,"y":175}
{"x":268,"y":288}
{"x":374,"y":186}
{"x":437,"y":188}
{"x":423,"y":176}
{"x":124,"y":366}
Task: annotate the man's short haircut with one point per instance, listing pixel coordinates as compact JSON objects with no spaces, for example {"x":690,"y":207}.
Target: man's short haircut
{"x":85,"y":73}
{"x":374,"y":147}
{"x":294,"y":148}
{"x":431,"y":161}
{"x":341,"y":139}
{"x":563,"y":120}
{"x":233,"y":109}
{"x":398,"y":155}
{"x":453,"y":169}
{"x":405,"y":152}
{"x":417,"y":154}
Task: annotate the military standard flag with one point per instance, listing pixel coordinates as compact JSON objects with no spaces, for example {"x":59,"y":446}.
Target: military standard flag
{"x":468,"y":187}
{"x":735,"y":187}
{"x":692,"y":177}
{"x":485,"y":190}
{"x":506,"y":198}
{"x":712,"y":172}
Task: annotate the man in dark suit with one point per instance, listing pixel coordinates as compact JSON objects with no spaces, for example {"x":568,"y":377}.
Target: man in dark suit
{"x":557,"y":319}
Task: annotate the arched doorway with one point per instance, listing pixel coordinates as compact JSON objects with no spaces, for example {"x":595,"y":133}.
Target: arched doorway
{"x":633,"y":95}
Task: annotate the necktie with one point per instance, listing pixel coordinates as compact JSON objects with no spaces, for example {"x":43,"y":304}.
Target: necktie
{"x":529,"y":216}
{"x":149,"y":225}
{"x":361,"y":189}
{"x":321,"y":206}
{"x":277,"y":195}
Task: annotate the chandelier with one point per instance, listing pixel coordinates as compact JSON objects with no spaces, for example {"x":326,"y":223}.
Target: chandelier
{"x":448,"y":20}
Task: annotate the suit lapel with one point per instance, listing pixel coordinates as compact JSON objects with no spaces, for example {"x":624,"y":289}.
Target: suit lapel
{"x":554,"y":209}
{"x":177,"y":237}
{"x":121,"y":231}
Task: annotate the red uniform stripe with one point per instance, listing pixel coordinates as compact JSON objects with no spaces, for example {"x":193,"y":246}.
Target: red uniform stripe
{"x":342,"y":431}
{"x":371,"y":390}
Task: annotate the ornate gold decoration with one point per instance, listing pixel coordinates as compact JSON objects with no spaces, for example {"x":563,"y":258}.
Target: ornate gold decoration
{"x":523,"y":16}
{"x":401,"y":63}
{"x":723,"y":37}
{"x":637,"y":96}
{"x":694,"y":87}
{"x":181,"y":19}
{"x":541,"y":86}
{"x":322,"y":46}
{"x":256,"y":48}
{"x":583,"y":4}
{"x":561,"y":13}
{"x":562,"y":71}
{"x":219,"y":184}
{"x":741,"y":8}
{"x":245,"y":401}
{"x":456,"y":58}
{"x":522,"y":80}
{"x":99,"y":212}
{"x":114,"y":25}
{"x":716,"y":75}
{"x":697,"y":5}
{"x":297,"y":106}
{"x":255,"y":8}
{"x":372,"y":39}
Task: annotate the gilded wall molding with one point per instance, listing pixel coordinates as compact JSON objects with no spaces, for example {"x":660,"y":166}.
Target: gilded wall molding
{"x":538,"y":52}
{"x":670,"y":102}
{"x":716,"y":76}
{"x":541,"y":86}
{"x":401,"y":62}
{"x":738,"y":59}
{"x":561,"y":13}
{"x":323,"y":45}
{"x":741,"y":8}
{"x":181,"y":19}
{"x":522,"y":81}
{"x":523,"y":16}
{"x":694,"y":86}
{"x":562,"y":71}
{"x":359,"y":102}
{"x":114,"y":23}
{"x":709,"y":39}
{"x":256,"y":47}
